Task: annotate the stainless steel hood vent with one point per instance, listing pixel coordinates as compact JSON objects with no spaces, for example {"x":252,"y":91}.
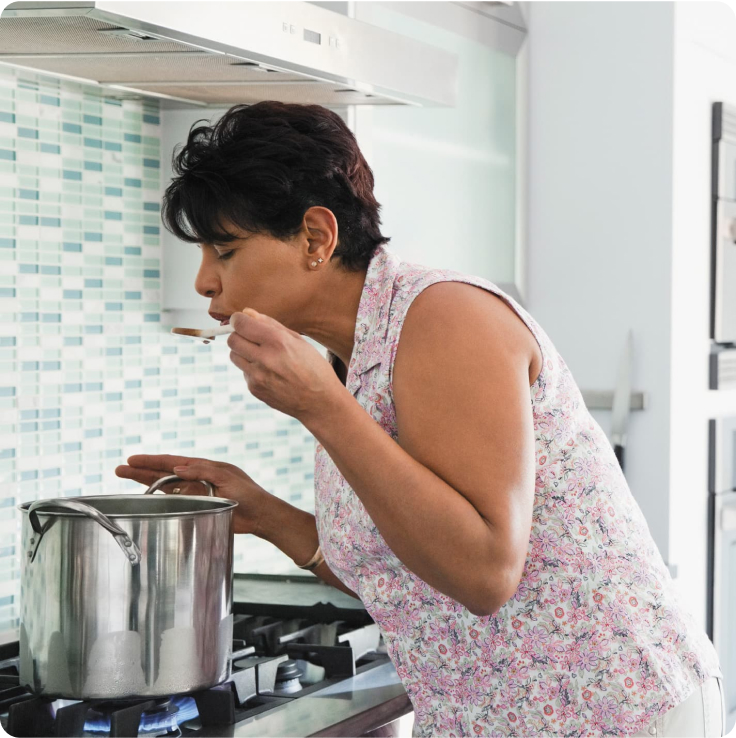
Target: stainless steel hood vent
{"x":208,"y":52}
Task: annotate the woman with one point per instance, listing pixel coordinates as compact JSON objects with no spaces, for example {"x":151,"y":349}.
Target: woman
{"x":463,"y":491}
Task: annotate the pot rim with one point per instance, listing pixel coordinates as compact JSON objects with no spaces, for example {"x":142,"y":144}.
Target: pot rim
{"x":225,"y":506}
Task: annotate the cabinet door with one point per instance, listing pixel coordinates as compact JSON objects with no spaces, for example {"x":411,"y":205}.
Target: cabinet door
{"x":448,"y":179}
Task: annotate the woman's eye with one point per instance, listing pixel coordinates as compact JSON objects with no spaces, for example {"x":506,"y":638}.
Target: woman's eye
{"x":225,"y":255}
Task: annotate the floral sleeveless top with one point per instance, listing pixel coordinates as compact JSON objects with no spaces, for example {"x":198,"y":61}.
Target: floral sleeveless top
{"x":595,"y":640}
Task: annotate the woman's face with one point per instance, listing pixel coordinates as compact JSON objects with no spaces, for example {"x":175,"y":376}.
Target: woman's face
{"x":267,"y":274}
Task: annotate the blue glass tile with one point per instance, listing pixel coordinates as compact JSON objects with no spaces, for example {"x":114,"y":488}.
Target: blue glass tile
{"x":28,"y":268}
{"x":72,"y":387}
{"x":113,"y":146}
{"x":114,"y":191}
{"x":151,"y":371}
{"x":47,"y":148}
{"x":72,"y":294}
{"x":93,"y":433}
{"x":236,"y":428}
{"x":187,"y":401}
{"x":113,"y":215}
{"x":130,"y":182}
{"x":94,"y":143}
{"x":28,"y":194}
{"x":113,"y":261}
{"x":7,"y":292}
{"x":148,"y":118}
{"x":204,"y":390}
{"x":69,"y":174}
{"x":113,"y":453}
{"x":51,"y":473}
{"x":7,"y":453}
{"x":28,"y":219}
{"x":7,"y":117}
{"x":51,"y":412}
{"x":7,"y":551}
{"x":152,"y":163}
{"x":73,"y":492}
{"x":28,"y":317}
{"x":151,"y":273}
{"x":132,"y":138}
{"x":51,"y":222}
{"x":7,"y":154}
{"x":28,"y":427}
{"x":93,"y":120}
{"x":132,"y":339}
{"x":74,"y":446}
{"x":93,"y":283}
{"x":45,"y":269}
{"x":7,"y":502}
{"x":186,"y":360}
{"x":151,"y":416}
{"x":132,"y":250}
{"x":50,"y":425}
{"x":170,"y":393}
{"x":132,"y":383}
{"x":282,"y":470}
{"x":296,"y":460}
{"x":27,"y":132}
{"x":28,"y":414}
{"x":27,"y":476}
{"x":113,"y":306}
{"x":151,"y":404}
{"x":93,"y":329}
{"x":220,"y":368}
{"x":167,"y":436}
{"x":133,"y":439}
{"x":113,"y":396}
{"x":49,"y":100}
{"x":152,"y":206}
{"x":71,"y":128}
{"x":151,"y":318}
{"x":164,"y":350}
{"x":114,"y":352}
{"x":51,"y":366}
{"x":151,"y":230}
{"x":309,"y":475}
{"x":236,"y":398}
{"x":73,"y":341}
{"x":186,"y":413}
{"x":187,"y":444}
{"x":7,"y":243}
{"x":282,"y":433}
{"x":51,"y":318}
{"x":7,"y":341}
{"x":93,"y":387}
{"x":92,"y":236}
{"x":111,"y":101}
{"x":266,"y":454}
{"x":93,"y":478}
{"x":93,"y":166}
{"x":29,"y":366}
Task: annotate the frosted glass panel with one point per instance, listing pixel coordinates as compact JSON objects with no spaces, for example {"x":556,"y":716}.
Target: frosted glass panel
{"x":446,"y":176}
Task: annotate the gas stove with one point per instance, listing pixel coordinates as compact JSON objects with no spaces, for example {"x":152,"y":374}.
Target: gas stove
{"x":292,"y":638}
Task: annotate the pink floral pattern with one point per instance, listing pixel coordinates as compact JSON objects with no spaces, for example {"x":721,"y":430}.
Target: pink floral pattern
{"x":595,"y":640}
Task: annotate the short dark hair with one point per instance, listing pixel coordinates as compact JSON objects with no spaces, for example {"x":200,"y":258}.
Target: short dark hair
{"x":261,"y":167}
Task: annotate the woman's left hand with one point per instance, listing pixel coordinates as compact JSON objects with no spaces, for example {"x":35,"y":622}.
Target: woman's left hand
{"x":280,"y":367}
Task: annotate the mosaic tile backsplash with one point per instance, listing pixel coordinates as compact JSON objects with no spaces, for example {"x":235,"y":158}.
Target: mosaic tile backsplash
{"x":88,"y":374}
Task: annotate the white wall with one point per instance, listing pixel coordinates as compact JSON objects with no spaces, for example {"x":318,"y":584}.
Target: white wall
{"x":705,"y":72}
{"x":599,"y":211}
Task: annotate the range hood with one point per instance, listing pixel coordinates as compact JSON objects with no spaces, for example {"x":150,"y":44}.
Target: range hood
{"x":213,"y":53}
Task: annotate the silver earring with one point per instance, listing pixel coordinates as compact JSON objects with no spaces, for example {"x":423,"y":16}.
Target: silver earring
{"x":314,"y":263}
{"x":319,"y":260}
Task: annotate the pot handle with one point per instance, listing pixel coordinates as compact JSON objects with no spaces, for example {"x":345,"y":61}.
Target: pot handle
{"x":131,"y":551}
{"x":166,"y":480}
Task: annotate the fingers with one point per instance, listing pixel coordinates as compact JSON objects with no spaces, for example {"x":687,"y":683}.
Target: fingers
{"x":162,"y":462}
{"x":199,"y":471}
{"x":256,"y":327}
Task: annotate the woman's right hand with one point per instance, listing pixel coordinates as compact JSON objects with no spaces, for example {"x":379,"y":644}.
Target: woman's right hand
{"x":229,"y":481}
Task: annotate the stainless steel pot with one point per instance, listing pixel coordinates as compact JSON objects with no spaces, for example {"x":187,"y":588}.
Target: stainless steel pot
{"x":126,"y":595}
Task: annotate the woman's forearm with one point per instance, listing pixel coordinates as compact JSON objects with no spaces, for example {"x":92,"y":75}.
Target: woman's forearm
{"x":294,"y":532}
{"x":432,"y":529}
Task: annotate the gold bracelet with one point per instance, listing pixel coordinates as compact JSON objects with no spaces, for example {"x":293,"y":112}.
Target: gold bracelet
{"x":315,"y":561}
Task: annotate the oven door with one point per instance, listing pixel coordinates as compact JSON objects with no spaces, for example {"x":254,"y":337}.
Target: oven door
{"x":723,"y":525}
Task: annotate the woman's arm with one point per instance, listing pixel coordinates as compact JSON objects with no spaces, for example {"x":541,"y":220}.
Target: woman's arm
{"x":453,"y":499}
{"x":294,"y":531}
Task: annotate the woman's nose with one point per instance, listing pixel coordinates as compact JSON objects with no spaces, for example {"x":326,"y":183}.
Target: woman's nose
{"x":206,"y":282}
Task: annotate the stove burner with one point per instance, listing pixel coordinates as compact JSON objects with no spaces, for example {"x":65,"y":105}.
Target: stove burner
{"x":287,"y":678}
{"x":166,"y":715}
